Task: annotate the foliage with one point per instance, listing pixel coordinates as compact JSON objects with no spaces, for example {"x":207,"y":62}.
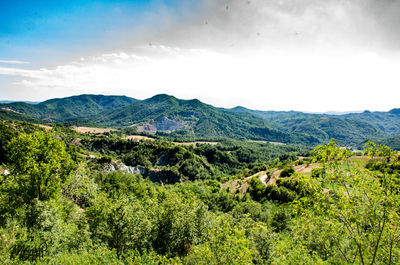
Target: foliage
{"x":59,"y":204}
{"x":226,"y":245}
{"x":72,"y":108}
{"x":287,"y":172}
{"x":361,"y":219}
{"x":197,"y":120}
{"x":39,"y":165}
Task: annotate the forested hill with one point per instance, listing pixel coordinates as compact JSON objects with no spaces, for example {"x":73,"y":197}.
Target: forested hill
{"x":192,"y":119}
{"x":81,"y":107}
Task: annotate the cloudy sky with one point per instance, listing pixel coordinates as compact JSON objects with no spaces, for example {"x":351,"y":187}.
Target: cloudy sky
{"x":307,"y":55}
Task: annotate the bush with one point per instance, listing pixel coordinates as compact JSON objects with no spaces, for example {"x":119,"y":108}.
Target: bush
{"x":287,"y":172}
{"x":317,"y":172}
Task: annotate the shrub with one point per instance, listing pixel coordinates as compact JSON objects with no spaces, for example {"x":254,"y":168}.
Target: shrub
{"x":287,"y":172}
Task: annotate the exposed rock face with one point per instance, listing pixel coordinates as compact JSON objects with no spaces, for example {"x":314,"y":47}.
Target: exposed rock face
{"x":133,"y":170}
{"x":162,"y":124}
{"x":165,"y":176}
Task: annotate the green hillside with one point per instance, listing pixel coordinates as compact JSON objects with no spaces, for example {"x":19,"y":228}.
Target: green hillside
{"x":10,"y":115}
{"x":389,"y":122}
{"x":199,"y":120}
{"x":81,"y":107}
{"x":346,"y":130}
{"x":191,"y":119}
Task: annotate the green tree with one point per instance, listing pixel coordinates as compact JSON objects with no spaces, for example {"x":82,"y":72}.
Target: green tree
{"x":226,"y":245}
{"x":180,"y":224}
{"x":353,"y":217}
{"x":121,"y":223}
{"x":38,"y":165}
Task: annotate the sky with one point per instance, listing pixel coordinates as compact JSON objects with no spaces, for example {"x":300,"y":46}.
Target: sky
{"x":304,"y":55}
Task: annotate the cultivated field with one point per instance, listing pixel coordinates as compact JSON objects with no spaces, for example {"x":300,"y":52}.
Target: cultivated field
{"x":92,"y":129}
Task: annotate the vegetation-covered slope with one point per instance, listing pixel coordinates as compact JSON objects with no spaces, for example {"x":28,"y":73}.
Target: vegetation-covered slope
{"x":82,"y":107}
{"x":11,"y":115}
{"x":324,"y":127}
{"x":192,"y":119}
{"x":199,"y":120}
{"x":388,"y":122}
{"x":61,"y":203}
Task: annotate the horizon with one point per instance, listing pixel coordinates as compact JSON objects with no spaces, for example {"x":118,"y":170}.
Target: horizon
{"x":328,"y":112}
{"x":308,"y":56}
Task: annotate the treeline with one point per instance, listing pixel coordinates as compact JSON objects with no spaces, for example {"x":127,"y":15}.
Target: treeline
{"x":194,"y":162}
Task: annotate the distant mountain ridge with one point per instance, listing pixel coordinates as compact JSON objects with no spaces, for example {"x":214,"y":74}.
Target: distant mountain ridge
{"x":195,"y":119}
{"x":70,"y":108}
{"x":165,"y":114}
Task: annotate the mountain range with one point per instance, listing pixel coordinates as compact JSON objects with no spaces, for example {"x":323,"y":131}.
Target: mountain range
{"x":167,"y":115}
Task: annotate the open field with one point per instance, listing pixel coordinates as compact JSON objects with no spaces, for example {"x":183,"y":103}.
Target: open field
{"x":138,"y":138}
{"x":141,"y":137}
{"x":92,"y":129}
{"x":47,"y":128}
{"x":196,"y":142}
{"x":306,"y":169}
{"x":266,"y":142}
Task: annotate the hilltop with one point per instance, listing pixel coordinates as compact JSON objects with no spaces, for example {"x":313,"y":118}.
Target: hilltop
{"x":192,"y":119}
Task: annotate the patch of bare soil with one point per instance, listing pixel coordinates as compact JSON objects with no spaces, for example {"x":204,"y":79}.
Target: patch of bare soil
{"x":363,"y":158}
{"x":304,"y":169}
{"x":243,"y":184}
{"x":92,"y":129}
{"x":264,"y":142}
{"x":232,"y":184}
{"x":47,"y":128}
{"x":138,"y":138}
{"x":196,"y":142}
{"x":274,"y":176}
{"x":277,"y":143}
{"x":76,"y":141}
{"x":11,"y":110}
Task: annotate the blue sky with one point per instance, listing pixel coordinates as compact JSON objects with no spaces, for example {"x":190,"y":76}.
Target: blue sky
{"x":50,"y":30}
{"x":261,"y":54}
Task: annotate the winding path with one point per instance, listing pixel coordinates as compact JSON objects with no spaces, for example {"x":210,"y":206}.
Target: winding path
{"x":243,"y":184}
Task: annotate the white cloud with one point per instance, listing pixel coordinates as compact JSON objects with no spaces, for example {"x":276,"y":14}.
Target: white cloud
{"x":260,"y":80}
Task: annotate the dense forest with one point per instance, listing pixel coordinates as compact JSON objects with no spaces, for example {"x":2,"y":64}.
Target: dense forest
{"x":73,"y":198}
{"x":192,"y":120}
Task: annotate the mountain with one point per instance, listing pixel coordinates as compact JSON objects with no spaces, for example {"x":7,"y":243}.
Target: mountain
{"x":162,"y":114}
{"x":346,"y":131}
{"x":81,"y":107}
{"x":192,"y":118}
{"x":324,"y":127}
{"x":388,"y":122}
{"x":167,"y":115}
